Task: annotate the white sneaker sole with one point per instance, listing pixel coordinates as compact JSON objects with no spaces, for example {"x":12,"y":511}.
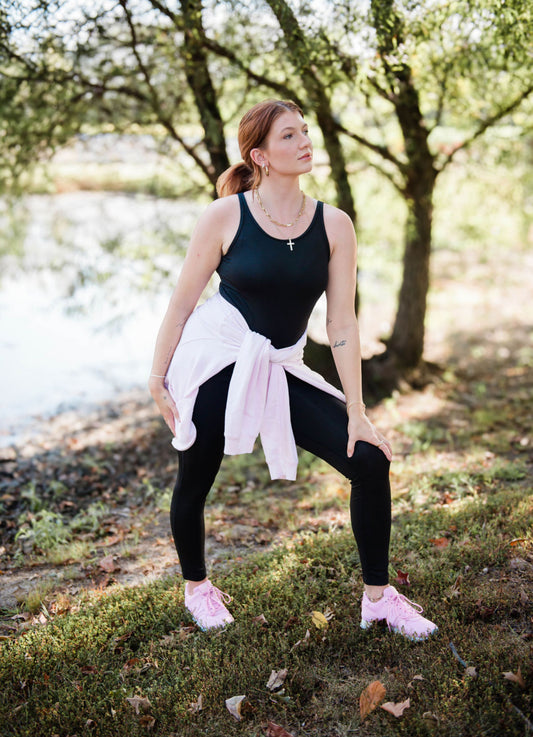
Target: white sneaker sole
{"x":204,"y":628}
{"x":367,"y":623}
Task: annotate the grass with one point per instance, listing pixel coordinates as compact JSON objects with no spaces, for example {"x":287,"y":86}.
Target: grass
{"x":74,"y":672}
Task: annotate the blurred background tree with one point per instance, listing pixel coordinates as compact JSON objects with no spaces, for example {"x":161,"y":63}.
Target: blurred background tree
{"x":386,"y":82}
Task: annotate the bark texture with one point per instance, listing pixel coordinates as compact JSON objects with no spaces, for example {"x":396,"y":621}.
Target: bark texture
{"x":199,"y":79}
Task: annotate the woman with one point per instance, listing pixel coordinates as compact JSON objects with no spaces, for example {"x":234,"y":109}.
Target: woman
{"x":232,"y":368}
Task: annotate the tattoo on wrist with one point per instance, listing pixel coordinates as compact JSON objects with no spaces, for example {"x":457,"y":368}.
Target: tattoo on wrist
{"x":339,"y":343}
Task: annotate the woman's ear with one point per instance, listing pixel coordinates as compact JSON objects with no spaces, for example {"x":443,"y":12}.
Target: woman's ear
{"x":258,"y":157}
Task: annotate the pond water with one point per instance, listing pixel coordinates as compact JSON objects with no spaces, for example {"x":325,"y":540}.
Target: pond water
{"x":69,"y":337}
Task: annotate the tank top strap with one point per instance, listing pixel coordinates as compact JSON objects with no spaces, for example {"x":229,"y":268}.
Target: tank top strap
{"x":244,"y":207}
{"x":320,"y":213}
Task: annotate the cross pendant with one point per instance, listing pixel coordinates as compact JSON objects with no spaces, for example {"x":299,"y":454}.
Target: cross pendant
{"x":290,"y":243}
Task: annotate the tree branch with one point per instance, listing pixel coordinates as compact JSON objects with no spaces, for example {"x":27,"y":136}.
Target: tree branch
{"x":381,"y":91}
{"x":174,"y":17}
{"x":382,"y":151}
{"x":282,"y":89}
{"x":400,"y":187}
{"x":155,"y":102}
{"x":487,"y":123}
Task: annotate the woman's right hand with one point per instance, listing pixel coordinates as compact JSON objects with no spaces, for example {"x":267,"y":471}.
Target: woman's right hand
{"x":164,"y":401}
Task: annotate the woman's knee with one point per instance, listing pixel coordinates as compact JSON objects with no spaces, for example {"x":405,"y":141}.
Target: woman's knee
{"x":368,"y":461}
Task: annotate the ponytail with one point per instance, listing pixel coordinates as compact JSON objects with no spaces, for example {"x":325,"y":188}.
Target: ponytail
{"x":238,"y":178}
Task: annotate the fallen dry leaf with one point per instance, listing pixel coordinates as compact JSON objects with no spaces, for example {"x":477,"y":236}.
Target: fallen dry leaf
{"x":139,"y":702}
{"x":396,"y":709}
{"x":370,"y":698}
{"x":321,"y":620}
{"x":261,"y":619}
{"x":515,"y":677}
{"x":439,"y":542}
{"x":186,"y":631}
{"x":107,"y":564}
{"x":147,"y":721}
{"x":274,"y":730}
{"x":196,"y":706}
{"x":277,"y":677}
{"x":304,"y":640}
{"x":415,"y":678}
{"x":234,"y":706}
{"x":402,"y":578}
{"x":113,"y":539}
{"x":471,"y":671}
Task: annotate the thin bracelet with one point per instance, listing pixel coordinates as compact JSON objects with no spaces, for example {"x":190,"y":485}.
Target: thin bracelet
{"x":355,"y":401}
{"x":157,"y":376}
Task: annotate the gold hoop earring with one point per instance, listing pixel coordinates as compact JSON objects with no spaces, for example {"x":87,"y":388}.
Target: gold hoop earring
{"x":265,"y":167}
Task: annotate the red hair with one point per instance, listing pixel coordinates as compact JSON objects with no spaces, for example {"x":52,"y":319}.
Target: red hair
{"x":254,"y":128}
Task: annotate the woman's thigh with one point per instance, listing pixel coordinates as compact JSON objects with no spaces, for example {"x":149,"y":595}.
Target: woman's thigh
{"x":199,"y":464}
{"x":320,"y":425}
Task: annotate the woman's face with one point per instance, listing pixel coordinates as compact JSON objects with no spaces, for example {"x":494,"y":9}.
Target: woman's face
{"x":288,"y":148}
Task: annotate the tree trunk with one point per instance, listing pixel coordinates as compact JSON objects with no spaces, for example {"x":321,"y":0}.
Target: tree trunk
{"x":407,"y":339}
{"x":406,"y":344}
{"x":335,"y":153}
{"x":199,"y":79}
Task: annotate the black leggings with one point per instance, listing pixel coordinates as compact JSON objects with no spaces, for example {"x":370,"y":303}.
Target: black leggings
{"x":319,"y":423}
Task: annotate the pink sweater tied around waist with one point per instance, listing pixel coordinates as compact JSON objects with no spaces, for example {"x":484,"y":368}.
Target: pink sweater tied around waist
{"x":216,"y":335}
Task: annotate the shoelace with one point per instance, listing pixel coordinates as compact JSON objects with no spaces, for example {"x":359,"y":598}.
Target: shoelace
{"x":214,"y":598}
{"x":405,"y":607}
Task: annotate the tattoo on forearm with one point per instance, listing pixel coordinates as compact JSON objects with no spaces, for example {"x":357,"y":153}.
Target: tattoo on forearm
{"x":339,"y":343}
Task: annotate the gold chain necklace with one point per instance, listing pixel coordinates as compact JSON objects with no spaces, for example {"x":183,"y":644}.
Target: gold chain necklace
{"x":269,"y":216}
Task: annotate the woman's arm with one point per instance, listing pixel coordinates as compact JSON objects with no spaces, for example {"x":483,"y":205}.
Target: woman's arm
{"x":213,"y":232}
{"x":342,"y":327}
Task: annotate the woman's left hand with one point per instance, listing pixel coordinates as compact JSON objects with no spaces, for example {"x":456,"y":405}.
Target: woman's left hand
{"x":360,"y":428}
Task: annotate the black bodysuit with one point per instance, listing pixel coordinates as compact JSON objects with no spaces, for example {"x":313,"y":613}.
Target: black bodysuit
{"x":273,"y":287}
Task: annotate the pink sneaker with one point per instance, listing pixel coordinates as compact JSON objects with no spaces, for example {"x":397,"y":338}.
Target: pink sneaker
{"x":402,"y":615}
{"x":206,"y":605}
